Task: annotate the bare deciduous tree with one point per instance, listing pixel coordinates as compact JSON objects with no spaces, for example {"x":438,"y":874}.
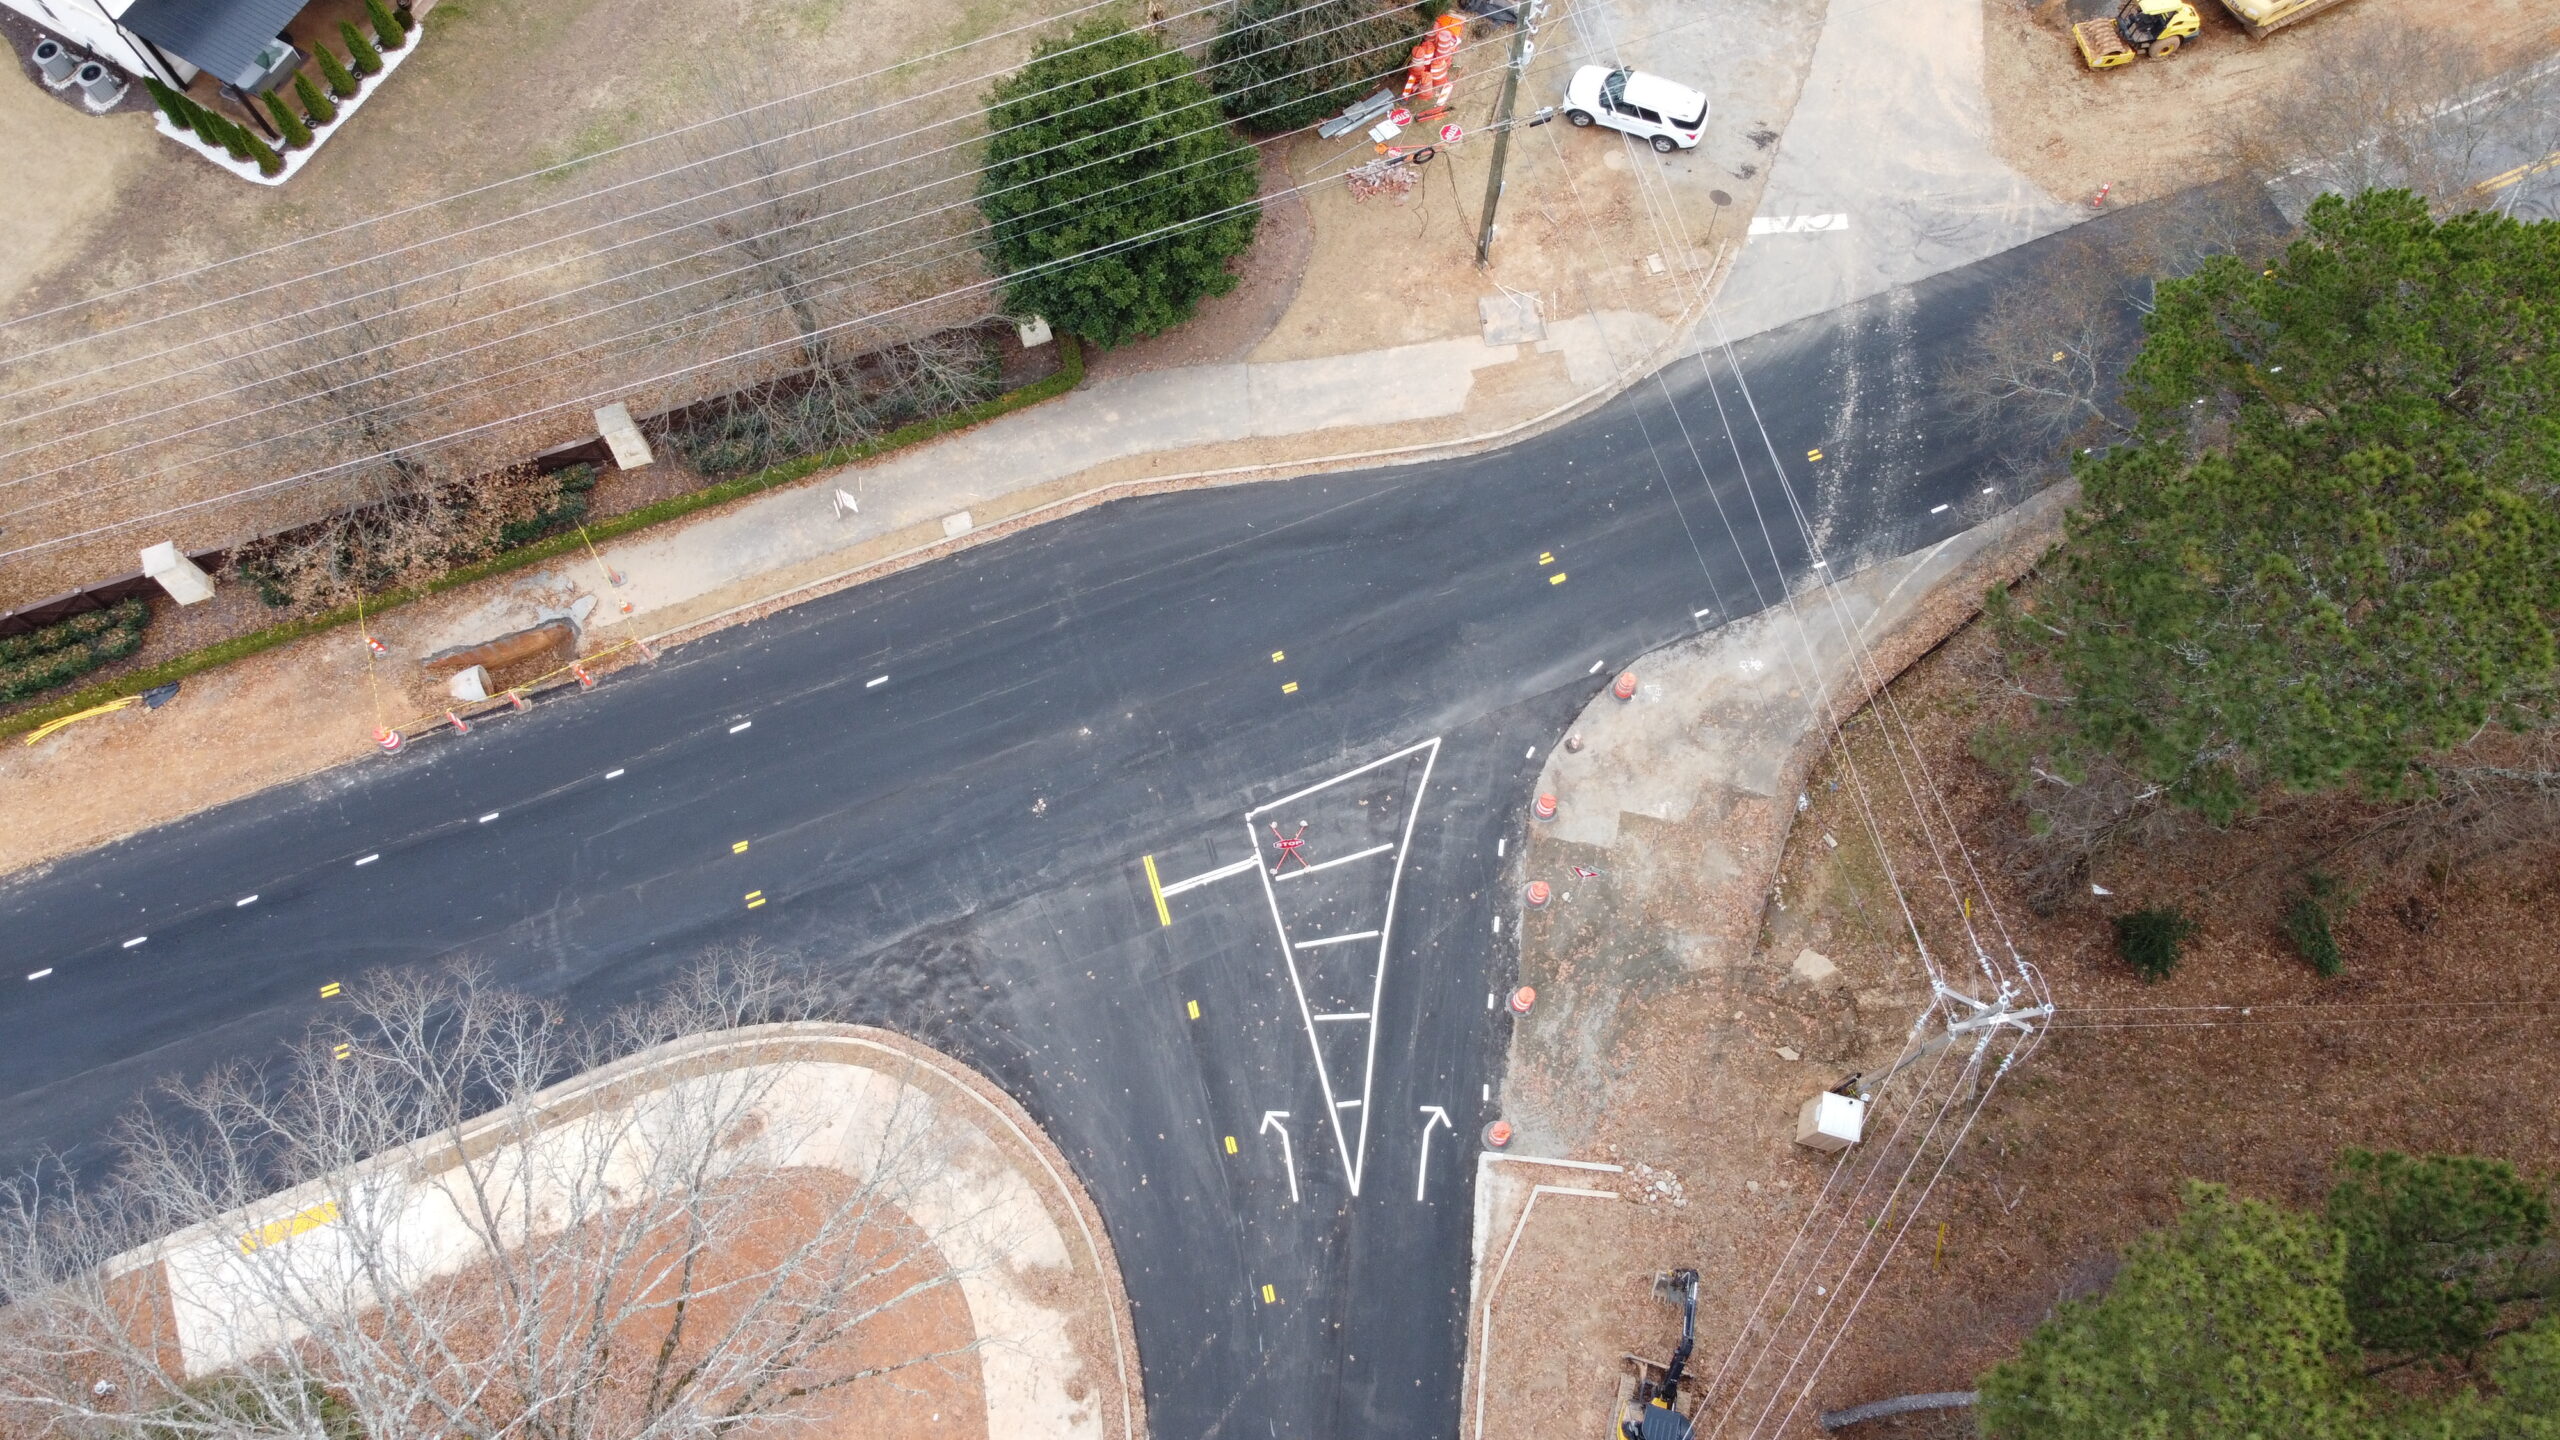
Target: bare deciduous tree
{"x":403,"y":1233}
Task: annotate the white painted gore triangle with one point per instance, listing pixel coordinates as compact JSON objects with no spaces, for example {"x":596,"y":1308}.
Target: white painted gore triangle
{"x":1345,"y":1030}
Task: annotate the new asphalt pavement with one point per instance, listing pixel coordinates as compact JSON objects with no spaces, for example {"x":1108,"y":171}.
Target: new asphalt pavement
{"x":953,"y":783}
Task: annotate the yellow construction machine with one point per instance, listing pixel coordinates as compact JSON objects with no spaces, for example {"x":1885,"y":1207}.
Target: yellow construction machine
{"x":2141,"y":27}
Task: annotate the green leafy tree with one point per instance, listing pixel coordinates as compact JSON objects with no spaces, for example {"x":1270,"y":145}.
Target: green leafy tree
{"x":1281,"y":65}
{"x":288,"y":121}
{"x":2435,"y":1243}
{"x":388,"y":33}
{"x":2333,"y":544}
{"x":1113,"y":197}
{"x":320,"y":109}
{"x":334,"y":70}
{"x":360,"y":51}
{"x":2227,"y":1325}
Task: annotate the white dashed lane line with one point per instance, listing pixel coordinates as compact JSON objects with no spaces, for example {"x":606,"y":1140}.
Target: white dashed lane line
{"x":875,"y":682}
{"x":136,"y":940}
{"x":41,"y":973}
{"x":613,"y":774}
{"x":369,"y":859}
{"x":492,"y":815}
{"x":244,"y":900}
{"x":741,"y":725}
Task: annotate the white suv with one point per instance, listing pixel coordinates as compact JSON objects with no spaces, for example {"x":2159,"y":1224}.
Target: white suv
{"x":1648,"y":107}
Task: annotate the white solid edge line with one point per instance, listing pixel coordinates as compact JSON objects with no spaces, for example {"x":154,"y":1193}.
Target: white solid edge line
{"x":875,"y":682}
{"x":1336,"y":940}
{"x":1329,"y":864}
{"x":1386,"y":933}
{"x":485,"y":819}
{"x":369,"y":859}
{"x":742,"y":725}
{"x":136,"y":940}
{"x":613,"y":774}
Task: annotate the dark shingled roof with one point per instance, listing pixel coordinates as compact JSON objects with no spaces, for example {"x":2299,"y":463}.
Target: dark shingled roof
{"x":221,"y":36}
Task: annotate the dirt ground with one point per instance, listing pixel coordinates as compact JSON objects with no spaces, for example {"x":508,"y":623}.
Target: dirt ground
{"x":2245,"y":1068}
{"x":2157,"y":126}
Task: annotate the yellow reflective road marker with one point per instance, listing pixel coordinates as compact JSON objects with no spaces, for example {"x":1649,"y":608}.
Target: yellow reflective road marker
{"x":754,"y":898}
{"x":1289,"y":689}
{"x":1155,"y":887}
{"x":1813,"y":454}
{"x":329,"y":991}
{"x":1279,"y":655}
{"x":278,"y":1231}
{"x":1269,"y":1298}
{"x":1556,"y":579}
{"x":1231,"y":1144}
{"x":342,"y":1051}
{"x":1195,"y":1009}
{"x":1546,"y":557}
{"x":738,"y":849}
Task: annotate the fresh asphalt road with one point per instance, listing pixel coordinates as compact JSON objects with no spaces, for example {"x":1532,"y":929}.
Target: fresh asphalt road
{"x":957,"y":849}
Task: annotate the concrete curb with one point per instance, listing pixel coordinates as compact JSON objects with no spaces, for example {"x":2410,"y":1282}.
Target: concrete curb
{"x":2002,"y":550}
{"x":916,"y":544}
{"x":802,"y":1042}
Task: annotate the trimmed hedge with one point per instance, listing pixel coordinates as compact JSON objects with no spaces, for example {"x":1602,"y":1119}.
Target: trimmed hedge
{"x":195,"y":662}
{"x":60,"y":653}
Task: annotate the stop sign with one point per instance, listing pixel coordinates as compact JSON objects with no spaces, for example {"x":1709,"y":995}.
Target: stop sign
{"x":1451,"y":134}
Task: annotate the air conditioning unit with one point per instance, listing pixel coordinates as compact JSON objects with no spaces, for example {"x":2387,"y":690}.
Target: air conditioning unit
{"x":100,"y":88}
{"x":56,"y":62}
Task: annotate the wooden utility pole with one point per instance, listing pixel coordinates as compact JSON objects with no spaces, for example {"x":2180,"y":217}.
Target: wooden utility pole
{"x":1522,"y":47}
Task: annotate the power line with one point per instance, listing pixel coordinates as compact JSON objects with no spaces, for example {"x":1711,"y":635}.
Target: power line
{"x":529,"y":247}
{"x":750,"y":266}
{"x":572,"y":164}
{"x":391,"y":452}
{"x":1082,"y":205}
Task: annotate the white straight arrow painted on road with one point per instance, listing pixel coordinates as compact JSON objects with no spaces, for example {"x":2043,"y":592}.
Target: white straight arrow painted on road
{"x":1422,"y":1165}
{"x":1271,"y":1121}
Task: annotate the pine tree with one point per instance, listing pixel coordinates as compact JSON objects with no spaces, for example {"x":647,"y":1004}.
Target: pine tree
{"x":171,"y":103}
{"x":2227,"y":1323}
{"x":320,"y":108}
{"x":2435,"y":1245}
{"x":2330,"y":548}
{"x":296,"y":134}
{"x":1112,"y":131}
{"x":334,"y":70}
{"x":368,"y":61}
{"x":231,"y":135}
{"x":269,"y":162}
{"x":387,"y":31}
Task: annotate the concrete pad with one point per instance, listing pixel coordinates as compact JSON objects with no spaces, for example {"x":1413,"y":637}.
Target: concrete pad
{"x":1510,"y":318}
{"x":1886,"y":174}
{"x":1815,"y":968}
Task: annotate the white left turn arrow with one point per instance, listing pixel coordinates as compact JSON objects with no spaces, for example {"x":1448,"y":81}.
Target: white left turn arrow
{"x":1422,"y":1166}
{"x":1271,"y":1121}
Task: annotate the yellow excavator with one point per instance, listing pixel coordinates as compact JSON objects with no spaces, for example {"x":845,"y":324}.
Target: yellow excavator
{"x":2141,"y":27}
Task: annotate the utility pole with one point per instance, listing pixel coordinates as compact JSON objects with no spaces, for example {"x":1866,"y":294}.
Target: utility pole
{"x":1522,"y":48}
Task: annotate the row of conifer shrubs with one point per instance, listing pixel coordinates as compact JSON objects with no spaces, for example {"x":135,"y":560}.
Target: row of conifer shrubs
{"x":311,"y":107}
